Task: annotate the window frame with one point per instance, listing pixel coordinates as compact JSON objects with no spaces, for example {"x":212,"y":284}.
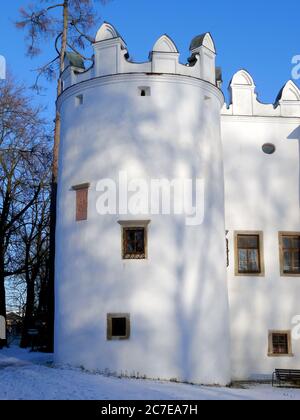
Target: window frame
{"x":112,"y":316}
{"x":288,"y":333}
{"x":281,"y":254}
{"x":260,"y":235}
{"x":132,"y":225}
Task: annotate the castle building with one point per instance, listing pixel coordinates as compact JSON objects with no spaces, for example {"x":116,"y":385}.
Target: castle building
{"x":156,"y":293}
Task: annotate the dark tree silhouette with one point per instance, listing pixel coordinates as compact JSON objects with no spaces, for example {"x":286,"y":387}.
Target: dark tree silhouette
{"x":23,"y":173}
{"x":66,"y":24}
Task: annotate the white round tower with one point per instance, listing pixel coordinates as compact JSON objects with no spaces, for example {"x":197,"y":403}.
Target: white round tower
{"x":140,"y":291}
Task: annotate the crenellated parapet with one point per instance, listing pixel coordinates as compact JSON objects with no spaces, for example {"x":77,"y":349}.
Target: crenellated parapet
{"x":244,"y":100}
{"x":111,"y":57}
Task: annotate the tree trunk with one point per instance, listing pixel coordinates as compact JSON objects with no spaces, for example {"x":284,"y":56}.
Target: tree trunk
{"x":30,"y":279}
{"x":28,"y":319}
{"x":2,"y":291}
{"x":53,"y":207}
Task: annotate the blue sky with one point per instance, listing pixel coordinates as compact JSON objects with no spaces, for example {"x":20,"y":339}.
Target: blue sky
{"x":260,"y":36}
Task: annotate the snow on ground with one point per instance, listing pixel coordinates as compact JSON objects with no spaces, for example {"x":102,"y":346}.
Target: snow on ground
{"x":32,"y":376}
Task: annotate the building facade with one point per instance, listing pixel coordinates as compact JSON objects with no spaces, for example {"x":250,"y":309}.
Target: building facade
{"x":154,"y":293}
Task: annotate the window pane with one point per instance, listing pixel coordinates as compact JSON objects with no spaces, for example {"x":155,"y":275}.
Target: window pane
{"x":296,"y":260}
{"x":296,"y":243}
{"x":280,"y":344}
{"x":130,"y":247}
{"x":287,"y":262}
{"x":131,"y":235}
{"x":253,"y":265}
{"x":134,"y":243}
{"x":118,"y":327}
{"x":248,"y":241}
{"x":287,"y":242}
{"x":243,"y":261}
{"x":248,"y":254}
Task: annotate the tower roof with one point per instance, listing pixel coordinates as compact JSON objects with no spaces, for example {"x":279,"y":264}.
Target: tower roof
{"x":203,"y":40}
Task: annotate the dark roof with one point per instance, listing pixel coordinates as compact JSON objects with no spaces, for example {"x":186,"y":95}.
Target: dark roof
{"x":219,"y":74}
{"x":75,"y":60}
{"x":197,"y":42}
{"x":279,"y":96}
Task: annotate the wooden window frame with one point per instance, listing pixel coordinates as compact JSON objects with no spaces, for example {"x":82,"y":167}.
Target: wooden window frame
{"x":281,"y":256}
{"x":110,"y":317}
{"x":270,"y":343}
{"x":131,"y":225}
{"x":260,"y":235}
{"x":78,"y":189}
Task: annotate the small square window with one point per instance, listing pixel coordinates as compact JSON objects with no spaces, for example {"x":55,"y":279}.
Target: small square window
{"x":144,"y":91}
{"x":280,"y":343}
{"x":289,"y":254}
{"x":118,"y":326}
{"x":249,"y":253}
{"x":79,"y":100}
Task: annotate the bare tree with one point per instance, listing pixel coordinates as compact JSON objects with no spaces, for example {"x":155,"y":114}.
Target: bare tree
{"x":23,"y":147}
{"x":66,"y":24}
{"x":34,"y":238}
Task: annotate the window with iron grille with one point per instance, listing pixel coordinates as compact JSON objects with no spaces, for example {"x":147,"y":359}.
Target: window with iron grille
{"x":249,"y":255}
{"x":280,"y":343}
{"x":290,"y":254}
{"x":134,"y":243}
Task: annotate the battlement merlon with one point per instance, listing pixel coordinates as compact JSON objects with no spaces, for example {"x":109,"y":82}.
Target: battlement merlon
{"x":111,"y":57}
{"x":244,"y":99}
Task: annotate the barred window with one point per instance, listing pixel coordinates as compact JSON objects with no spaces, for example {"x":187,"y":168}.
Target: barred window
{"x":134,"y":243}
{"x":280,"y":343}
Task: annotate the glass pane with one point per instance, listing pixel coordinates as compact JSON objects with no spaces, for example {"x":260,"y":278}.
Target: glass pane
{"x":130,"y":247}
{"x":296,"y":261}
{"x":280,"y":344}
{"x":134,"y":241}
{"x":243,"y":261}
{"x":296,"y":242}
{"x":248,"y":241}
{"x":287,"y":242}
{"x":130,"y":235}
{"x":287,"y":262}
{"x":253,"y":264}
{"x":118,"y":327}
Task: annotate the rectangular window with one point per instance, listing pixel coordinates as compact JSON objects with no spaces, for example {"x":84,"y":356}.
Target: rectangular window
{"x":134,"y":240}
{"x":289,"y":254}
{"x":134,"y":243}
{"x":144,"y":91}
{"x":280,"y":343}
{"x":79,"y":100}
{"x":249,"y":252}
{"x":118,"y":326}
{"x":81,"y":202}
